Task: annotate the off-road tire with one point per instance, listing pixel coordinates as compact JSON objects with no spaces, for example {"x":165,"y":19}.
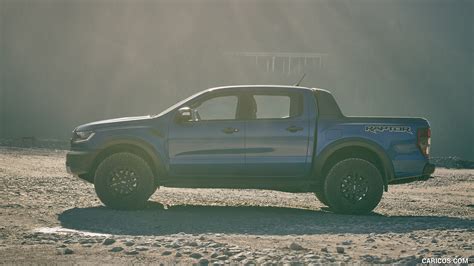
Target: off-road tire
{"x":143,"y":181}
{"x":319,"y":192}
{"x":368,"y":187}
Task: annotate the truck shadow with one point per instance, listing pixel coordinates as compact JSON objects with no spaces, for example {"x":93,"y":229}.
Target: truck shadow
{"x":156,"y":220}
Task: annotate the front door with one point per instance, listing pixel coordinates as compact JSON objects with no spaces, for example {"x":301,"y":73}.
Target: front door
{"x":277,"y":132}
{"x":210,"y":144}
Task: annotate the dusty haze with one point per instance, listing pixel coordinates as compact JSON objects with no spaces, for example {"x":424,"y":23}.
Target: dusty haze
{"x":64,"y":63}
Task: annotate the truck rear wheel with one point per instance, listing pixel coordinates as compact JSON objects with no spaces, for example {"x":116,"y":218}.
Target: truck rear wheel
{"x":124,"y":181}
{"x":353,"y":186}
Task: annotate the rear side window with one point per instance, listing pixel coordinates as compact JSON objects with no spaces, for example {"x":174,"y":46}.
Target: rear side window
{"x":272,"y":106}
{"x":276,"y":106}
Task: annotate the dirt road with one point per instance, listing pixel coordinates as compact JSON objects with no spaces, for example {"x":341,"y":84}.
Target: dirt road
{"x":47,"y":215}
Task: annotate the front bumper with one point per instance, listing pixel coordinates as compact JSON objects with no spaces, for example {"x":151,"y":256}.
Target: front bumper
{"x":80,"y":162}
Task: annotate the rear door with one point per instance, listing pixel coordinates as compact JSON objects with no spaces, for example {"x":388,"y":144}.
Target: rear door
{"x":277,"y":133}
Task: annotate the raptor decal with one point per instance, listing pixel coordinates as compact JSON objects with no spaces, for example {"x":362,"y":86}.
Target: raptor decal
{"x":385,"y":128}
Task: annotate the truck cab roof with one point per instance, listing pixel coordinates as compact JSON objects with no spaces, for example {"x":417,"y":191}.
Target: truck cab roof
{"x":262,"y":86}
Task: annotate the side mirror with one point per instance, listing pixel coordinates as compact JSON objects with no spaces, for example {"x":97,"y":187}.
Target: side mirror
{"x":185,"y":114}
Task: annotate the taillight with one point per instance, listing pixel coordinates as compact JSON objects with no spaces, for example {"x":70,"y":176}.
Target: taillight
{"x":424,"y":141}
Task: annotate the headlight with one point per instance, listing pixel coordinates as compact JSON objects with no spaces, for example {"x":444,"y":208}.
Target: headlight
{"x":80,"y":136}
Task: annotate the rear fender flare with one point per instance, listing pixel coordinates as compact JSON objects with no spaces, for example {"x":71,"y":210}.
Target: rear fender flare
{"x":387,"y":166}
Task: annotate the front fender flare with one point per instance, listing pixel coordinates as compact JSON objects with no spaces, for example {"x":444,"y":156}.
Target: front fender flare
{"x":156,"y":158}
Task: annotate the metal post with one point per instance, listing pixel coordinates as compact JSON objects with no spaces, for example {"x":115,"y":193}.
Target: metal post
{"x":289,"y":64}
{"x":300,"y":68}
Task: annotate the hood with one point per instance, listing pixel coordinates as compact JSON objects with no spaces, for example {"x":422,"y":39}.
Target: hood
{"x":116,"y":122}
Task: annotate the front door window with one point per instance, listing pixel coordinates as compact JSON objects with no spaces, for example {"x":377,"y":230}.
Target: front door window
{"x":217,"y":108}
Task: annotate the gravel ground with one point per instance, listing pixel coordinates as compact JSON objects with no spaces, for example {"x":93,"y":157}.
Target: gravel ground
{"x":47,"y":215}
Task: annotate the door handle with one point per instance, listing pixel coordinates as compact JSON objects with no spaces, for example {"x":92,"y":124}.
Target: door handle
{"x":294,"y":128}
{"x":230,"y":130}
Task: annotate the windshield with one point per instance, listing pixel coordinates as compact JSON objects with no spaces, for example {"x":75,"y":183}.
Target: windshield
{"x":176,"y":105}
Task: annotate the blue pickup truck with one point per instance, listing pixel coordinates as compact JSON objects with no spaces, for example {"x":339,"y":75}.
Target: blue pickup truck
{"x":285,"y":138}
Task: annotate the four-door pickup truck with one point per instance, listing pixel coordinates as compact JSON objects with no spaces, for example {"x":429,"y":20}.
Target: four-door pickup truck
{"x":285,"y":138}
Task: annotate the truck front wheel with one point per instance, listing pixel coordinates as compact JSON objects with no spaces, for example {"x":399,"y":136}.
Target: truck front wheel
{"x":319,"y":192}
{"x":124,"y":181}
{"x":353,"y":186}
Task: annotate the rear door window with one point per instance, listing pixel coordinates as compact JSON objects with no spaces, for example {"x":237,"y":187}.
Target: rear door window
{"x":276,"y":106}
